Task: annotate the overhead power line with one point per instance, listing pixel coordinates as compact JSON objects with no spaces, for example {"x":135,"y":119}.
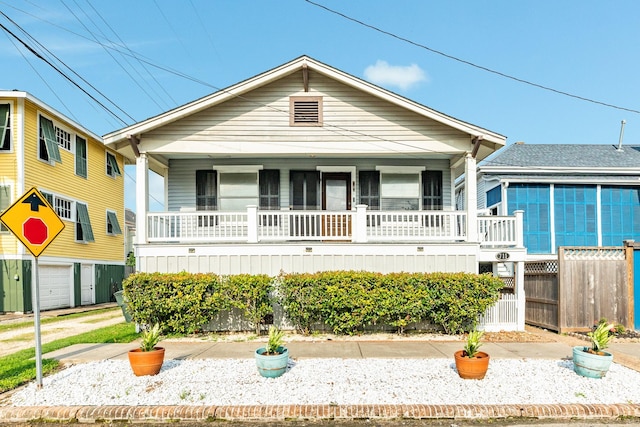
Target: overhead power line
{"x":62,"y":73}
{"x":471,"y":64}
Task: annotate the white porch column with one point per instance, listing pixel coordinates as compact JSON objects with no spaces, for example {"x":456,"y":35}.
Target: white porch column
{"x":522,"y":301}
{"x":360,"y":230}
{"x":252,"y":224}
{"x":471,"y":197}
{"x":142,"y":197}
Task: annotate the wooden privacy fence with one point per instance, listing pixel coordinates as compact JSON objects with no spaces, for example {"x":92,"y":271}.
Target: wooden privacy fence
{"x":583,"y":286}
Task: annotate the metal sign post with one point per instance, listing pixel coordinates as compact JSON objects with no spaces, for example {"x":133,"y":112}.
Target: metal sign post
{"x":35,"y":223}
{"x":36,"y":322}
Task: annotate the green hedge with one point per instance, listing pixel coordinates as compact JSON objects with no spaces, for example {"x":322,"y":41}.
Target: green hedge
{"x":345,"y":301}
{"x":349,"y":301}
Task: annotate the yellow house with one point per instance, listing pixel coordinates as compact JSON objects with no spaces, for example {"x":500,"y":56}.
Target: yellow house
{"x":83,"y":181}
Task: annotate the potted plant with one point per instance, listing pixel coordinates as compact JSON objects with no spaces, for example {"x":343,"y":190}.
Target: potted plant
{"x":470,"y":362}
{"x":272,"y":359}
{"x":148,"y":358}
{"x":594,"y":362}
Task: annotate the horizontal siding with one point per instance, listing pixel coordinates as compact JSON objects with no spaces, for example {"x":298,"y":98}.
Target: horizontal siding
{"x":8,"y":175}
{"x":262,"y":117}
{"x":99,"y":191}
{"x":182,"y":174}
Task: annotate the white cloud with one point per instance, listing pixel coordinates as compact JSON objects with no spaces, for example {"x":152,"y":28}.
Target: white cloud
{"x":395,"y":75}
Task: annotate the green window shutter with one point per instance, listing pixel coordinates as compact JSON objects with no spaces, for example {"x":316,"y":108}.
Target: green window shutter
{"x":112,"y":220}
{"x":111,"y":161}
{"x":84,"y":223}
{"x":81,"y":157}
{"x":50,"y":140}
{"x":4,"y":122}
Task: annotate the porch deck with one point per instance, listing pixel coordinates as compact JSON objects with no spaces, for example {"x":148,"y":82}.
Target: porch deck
{"x":358,"y":226}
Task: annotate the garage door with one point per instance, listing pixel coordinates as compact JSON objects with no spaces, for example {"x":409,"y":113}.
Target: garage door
{"x":55,"y":286}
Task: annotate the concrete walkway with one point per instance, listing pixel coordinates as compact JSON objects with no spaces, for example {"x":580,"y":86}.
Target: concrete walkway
{"x":551,"y":346}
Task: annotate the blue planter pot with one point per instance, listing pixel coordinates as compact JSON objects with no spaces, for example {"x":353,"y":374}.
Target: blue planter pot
{"x":589,"y":364}
{"x":272,"y":366}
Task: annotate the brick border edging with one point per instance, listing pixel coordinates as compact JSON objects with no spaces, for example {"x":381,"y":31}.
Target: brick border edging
{"x":90,"y":414}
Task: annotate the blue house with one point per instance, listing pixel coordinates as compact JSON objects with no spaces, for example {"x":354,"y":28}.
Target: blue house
{"x":571,"y":194}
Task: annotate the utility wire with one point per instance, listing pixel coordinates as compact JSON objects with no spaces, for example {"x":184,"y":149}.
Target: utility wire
{"x":123,"y":68}
{"x":62,"y":73}
{"x":471,"y":64}
{"x":124,"y":45}
{"x":46,"y":83}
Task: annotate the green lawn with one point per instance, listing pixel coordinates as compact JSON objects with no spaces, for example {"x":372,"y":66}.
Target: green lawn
{"x":20,"y":368}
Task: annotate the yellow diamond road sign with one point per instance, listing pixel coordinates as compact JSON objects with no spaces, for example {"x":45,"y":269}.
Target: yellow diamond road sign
{"x":33,"y":221}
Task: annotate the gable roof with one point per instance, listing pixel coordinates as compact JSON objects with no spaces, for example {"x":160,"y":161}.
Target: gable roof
{"x":489,"y":138}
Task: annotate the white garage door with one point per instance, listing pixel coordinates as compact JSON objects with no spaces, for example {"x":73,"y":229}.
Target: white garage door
{"x":55,"y":286}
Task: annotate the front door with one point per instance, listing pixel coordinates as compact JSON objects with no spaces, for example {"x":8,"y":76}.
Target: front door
{"x":336,"y":196}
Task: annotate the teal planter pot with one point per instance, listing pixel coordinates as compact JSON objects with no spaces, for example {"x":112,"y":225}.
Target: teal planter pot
{"x":589,"y":364}
{"x":272,"y":366}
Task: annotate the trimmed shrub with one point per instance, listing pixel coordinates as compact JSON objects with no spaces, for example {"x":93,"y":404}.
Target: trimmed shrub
{"x":181,"y":302}
{"x":249,"y":293}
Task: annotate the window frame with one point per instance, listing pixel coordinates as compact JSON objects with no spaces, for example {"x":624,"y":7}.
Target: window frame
{"x":111,"y":165}
{"x":83,"y":162}
{"x":53,"y":199}
{"x":47,"y":141}
{"x":64,"y":138}
{"x":6,"y":145}
{"x":112,"y":220}
{"x":83,"y":229}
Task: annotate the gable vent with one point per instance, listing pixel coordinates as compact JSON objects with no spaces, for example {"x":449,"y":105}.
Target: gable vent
{"x":306,"y":111}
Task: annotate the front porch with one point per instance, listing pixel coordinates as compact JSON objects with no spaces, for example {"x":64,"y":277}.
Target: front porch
{"x":271,"y":242}
{"x":358,"y":226}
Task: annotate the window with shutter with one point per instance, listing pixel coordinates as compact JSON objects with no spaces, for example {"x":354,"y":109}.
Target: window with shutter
{"x":5,"y":127}
{"x":48,"y":149}
{"x":113,"y":227}
{"x":84,"y":232}
{"x":81,"y":157}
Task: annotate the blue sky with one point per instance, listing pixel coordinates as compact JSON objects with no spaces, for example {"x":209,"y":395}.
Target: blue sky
{"x":145,"y":57}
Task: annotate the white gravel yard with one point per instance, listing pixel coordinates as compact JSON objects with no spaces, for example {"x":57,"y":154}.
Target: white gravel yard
{"x":330,"y":381}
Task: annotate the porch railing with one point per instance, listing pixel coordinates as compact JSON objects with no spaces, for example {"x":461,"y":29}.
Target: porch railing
{"x":360,"y":226}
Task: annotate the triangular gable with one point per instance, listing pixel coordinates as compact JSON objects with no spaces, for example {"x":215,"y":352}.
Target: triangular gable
{"x":217,"y":98}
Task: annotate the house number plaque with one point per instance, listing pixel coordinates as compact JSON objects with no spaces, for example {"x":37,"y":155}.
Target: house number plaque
{"x":502,"y":256}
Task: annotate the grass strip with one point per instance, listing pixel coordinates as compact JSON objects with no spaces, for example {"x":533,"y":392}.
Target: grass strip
{"x":20,"y":367}
{"x":8,"y":326}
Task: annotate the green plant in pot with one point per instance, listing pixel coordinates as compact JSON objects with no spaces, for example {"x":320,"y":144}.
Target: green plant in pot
{"x":148,"y":358}
{"x":272,"y":359}
{"x":472,"y":363}
{"x":593,"y":361}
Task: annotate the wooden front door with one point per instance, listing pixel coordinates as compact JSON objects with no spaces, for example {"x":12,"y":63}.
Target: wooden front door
{"x":336,"y":196}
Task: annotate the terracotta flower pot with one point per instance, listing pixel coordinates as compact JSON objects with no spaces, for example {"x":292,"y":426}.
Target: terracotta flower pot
{"x":146,"y":362}
{"x":472,"y":368}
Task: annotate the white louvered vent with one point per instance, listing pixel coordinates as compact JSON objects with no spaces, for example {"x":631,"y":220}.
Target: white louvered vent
{"x":306,"y":111}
